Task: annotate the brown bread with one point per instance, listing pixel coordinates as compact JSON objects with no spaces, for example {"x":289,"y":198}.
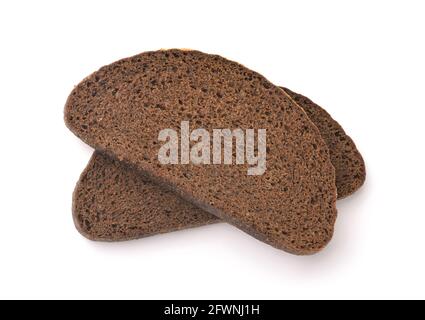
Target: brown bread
{"x":113,"y":202}
{"x":348,"y":162}
{"x":291,"y":206}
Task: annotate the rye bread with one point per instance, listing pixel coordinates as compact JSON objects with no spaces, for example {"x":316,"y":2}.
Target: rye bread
{"x":113,"y":202}
{"x":291,"y":207}
{"x":349,"y":165}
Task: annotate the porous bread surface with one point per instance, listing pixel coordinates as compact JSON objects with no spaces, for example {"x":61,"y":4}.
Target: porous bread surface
{"x":113,"y":202}
{"x":349,"y":165}
{"x":291,"y":207}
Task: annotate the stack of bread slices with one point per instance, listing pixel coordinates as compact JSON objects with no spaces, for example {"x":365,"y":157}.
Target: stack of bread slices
{"x":127,"y":192}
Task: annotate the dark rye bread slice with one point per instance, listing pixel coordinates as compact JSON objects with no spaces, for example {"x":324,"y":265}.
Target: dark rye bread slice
{"x":349,"y":165}
{"x":113,"y":202}
{"x":291,"y":207}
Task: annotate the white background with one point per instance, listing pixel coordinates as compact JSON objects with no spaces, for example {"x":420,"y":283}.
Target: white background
{"x":364,"y":61}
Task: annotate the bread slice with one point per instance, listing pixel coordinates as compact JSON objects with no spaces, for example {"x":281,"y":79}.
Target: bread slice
{"x":113,"y":202}
{"x":291,"y":207}
{"x":348,"y":162}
